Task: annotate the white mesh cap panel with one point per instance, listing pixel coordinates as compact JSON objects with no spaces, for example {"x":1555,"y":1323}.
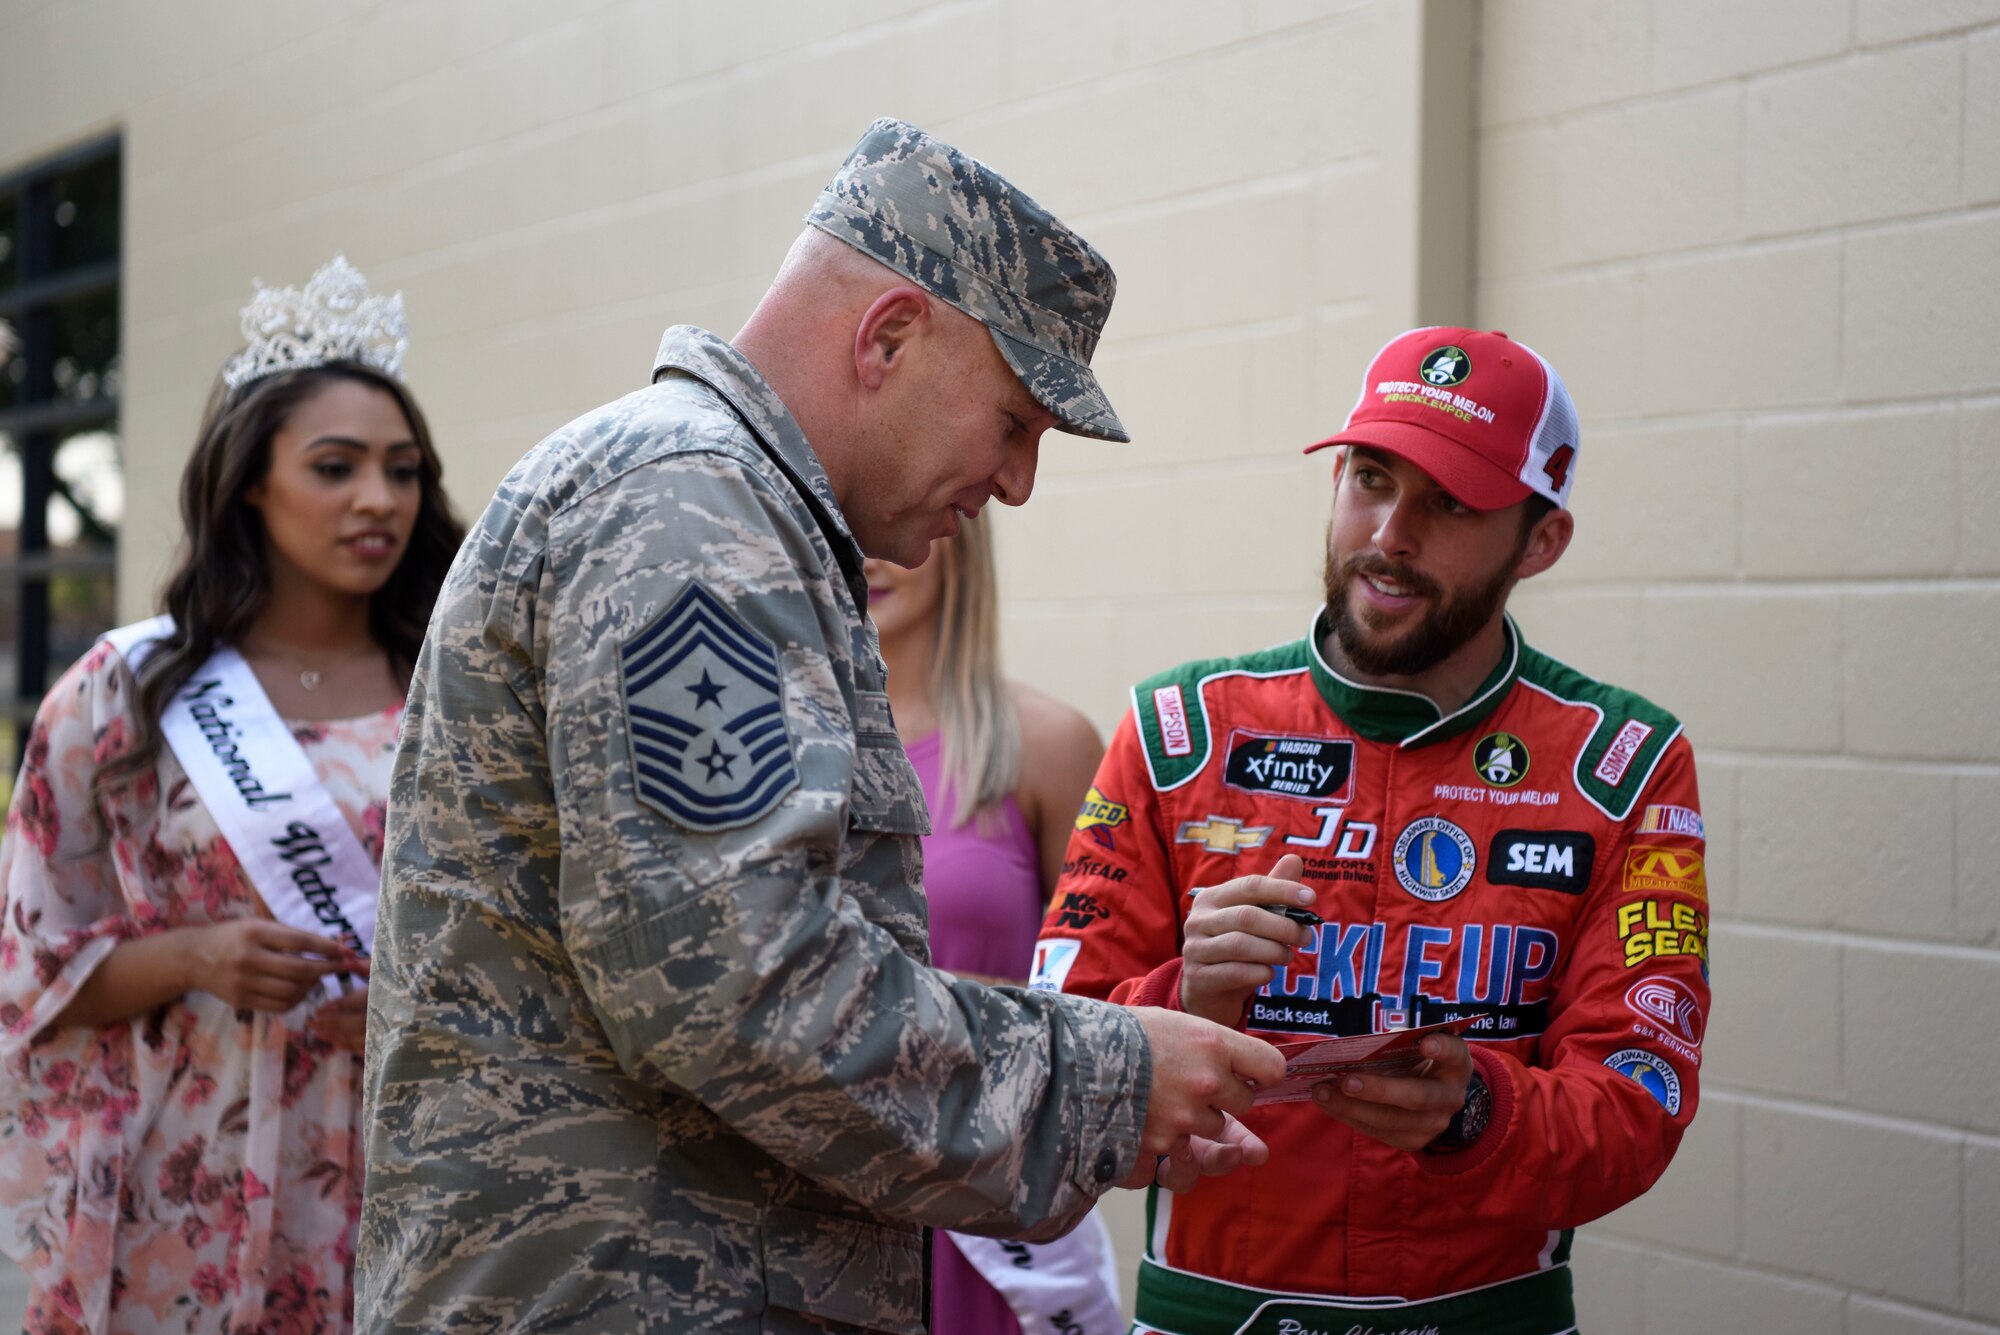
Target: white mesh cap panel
{"x":1550,"y":469}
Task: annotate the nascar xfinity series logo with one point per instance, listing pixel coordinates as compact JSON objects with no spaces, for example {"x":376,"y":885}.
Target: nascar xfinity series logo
{"x":1316,"y":768}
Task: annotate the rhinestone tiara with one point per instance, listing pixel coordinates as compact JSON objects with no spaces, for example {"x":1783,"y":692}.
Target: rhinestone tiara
{"x":332,"y":318}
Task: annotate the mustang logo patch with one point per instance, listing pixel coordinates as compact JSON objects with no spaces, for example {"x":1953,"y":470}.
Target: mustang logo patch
{"x":705,"y":716}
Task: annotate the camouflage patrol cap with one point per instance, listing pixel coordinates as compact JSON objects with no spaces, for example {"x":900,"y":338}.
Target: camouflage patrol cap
{"x":961,"y":231}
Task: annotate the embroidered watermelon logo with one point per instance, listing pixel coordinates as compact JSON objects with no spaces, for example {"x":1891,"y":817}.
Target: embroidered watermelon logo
{"x":1501,"y":759}
{"x":1445,"y":366}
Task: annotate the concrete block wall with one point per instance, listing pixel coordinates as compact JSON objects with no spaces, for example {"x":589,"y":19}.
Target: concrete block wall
{"x":1760,"y":243}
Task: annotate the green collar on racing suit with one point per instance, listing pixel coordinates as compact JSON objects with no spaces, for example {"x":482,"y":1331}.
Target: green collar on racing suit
{"x":1405,"y":718}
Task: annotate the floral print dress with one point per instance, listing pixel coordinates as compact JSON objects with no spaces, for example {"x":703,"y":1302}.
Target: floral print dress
{"x":197,"y":1168}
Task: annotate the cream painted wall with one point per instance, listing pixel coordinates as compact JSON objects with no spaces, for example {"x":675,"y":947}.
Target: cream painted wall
{"x":1759,"y":241}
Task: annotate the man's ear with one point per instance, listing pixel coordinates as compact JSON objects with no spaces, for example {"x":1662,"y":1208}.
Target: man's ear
{"x":1547,"y":541}
{"x":892,"y":322}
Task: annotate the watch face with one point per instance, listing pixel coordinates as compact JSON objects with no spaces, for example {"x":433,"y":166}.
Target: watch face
{"x":1478,"y":1106}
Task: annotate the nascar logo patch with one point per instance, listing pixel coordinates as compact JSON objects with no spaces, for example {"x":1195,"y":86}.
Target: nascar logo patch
{"x":705,"y":716}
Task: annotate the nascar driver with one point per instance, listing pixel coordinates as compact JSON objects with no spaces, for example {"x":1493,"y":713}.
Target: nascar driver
{"x":1473,"y":831}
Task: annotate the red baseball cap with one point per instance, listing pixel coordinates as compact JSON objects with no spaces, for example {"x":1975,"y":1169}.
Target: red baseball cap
{"x":1486,"y":417}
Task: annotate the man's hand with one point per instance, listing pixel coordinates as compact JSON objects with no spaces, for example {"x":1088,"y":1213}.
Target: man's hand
{"x":1201,"y":1074}
{"x":1231,"y":945}
{"x":1404,"y":1111}
{"x":1197,"y":1157}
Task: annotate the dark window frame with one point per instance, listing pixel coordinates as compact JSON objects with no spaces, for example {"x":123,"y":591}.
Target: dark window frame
{"x":38,"y":421}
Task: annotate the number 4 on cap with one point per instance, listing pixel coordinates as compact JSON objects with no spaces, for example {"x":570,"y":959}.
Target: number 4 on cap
{"x":1558,"y":466}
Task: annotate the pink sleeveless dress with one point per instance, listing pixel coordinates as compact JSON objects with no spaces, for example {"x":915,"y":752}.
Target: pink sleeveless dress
{"x":985,"y":892}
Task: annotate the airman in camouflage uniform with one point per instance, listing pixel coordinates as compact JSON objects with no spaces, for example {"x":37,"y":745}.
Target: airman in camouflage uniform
{"x":653,"y":1042}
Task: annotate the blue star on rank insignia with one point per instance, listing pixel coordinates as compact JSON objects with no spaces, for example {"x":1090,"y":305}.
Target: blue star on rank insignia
{"x":705,"y":716}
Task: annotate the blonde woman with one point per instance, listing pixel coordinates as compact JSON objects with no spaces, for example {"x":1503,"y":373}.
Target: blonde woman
{"x":1004,"y":769}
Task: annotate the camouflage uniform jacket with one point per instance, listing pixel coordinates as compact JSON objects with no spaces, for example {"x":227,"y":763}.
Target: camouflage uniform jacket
{"x":653,"y":1040}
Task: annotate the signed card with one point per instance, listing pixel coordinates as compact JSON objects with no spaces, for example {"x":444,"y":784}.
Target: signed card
{"x":1391,"y":1053}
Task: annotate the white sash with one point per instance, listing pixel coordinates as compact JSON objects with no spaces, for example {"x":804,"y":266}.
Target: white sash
{"x":255,"y":780}
{"x":1069,"y":1285}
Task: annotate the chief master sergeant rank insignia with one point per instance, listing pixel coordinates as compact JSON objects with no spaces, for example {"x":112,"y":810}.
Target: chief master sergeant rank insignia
{"x":702,"y":709}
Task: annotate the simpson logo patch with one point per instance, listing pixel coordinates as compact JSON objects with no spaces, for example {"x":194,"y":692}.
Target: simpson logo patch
{"x":1175,"y":739}
{"x":1672,"y":820}
{"x":1318,"y":769}
{"x":1624,"y":746}
{"x":1099,"y":816}
{"x":1052,"y":963}
{"x":1651,"y":870}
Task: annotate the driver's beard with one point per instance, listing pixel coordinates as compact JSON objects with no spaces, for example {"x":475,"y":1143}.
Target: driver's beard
{"x":1444,"y":629}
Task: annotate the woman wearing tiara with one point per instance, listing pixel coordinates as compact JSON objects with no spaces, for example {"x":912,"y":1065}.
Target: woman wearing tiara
{"x":1004,"y":770}
{"x":188,"y":870}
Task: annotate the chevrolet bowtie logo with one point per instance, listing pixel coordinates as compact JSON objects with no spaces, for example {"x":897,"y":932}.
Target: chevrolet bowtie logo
{"x":1220,"y":834}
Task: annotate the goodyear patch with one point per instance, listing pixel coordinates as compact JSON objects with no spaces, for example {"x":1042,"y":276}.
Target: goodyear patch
{"x":1652,"y":870}
{"x":1099,"y":816}
{"x":1654,"y":928}
{"x":705,"y":716}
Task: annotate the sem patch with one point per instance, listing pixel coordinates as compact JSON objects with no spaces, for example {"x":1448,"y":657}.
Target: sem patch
{"x":705,"y":716}
{"x":1560,"y":860}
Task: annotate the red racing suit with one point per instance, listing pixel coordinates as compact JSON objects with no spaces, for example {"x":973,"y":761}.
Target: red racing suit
{"x":1534,"y":858}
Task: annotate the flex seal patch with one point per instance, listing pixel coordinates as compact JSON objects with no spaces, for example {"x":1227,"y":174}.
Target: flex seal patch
{"x":705,"y":716}
{"x":1318,"y":769}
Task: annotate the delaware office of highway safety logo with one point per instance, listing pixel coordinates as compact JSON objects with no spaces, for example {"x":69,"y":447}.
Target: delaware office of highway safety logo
{"x":706,"y":721}
{"x":1653,"y":1074}
{"x":1445,"y":366}
{"x":1501,"y":759}
{"x":1434,"y":859}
